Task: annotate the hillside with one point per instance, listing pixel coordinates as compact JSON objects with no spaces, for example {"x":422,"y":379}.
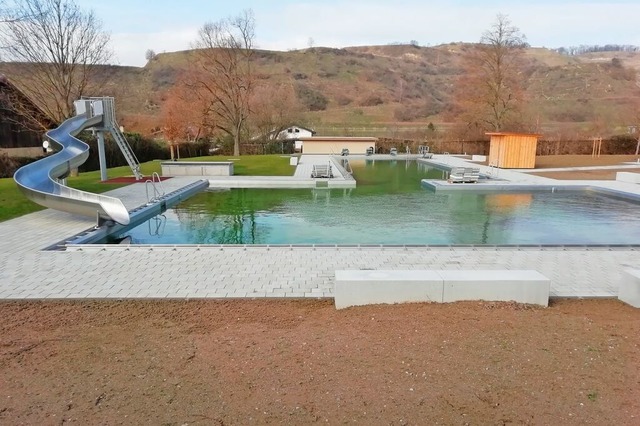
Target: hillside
{"x":380,"y":89}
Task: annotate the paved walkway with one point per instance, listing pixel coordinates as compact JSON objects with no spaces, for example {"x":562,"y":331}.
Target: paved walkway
{"x":300,"y":179}
{"x":28,"y":272}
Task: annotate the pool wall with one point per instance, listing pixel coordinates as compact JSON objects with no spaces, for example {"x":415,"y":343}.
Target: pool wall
{"x":197,"y":168}
{"x":137,"y":216}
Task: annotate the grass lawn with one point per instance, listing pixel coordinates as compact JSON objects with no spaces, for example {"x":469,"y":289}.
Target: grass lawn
{"x":14,"y":204}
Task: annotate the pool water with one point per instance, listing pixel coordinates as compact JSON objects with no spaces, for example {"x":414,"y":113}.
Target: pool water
{"x":390,"y":206}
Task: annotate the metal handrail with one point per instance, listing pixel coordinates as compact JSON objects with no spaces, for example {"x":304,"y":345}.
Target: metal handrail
{"x":155,"y":175}
{"x":157,"y":194}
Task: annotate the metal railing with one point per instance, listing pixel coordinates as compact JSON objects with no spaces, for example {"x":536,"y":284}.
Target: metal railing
{"x":157,"y":193}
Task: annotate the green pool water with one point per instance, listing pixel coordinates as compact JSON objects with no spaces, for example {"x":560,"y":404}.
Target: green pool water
{"x":389,"y":206}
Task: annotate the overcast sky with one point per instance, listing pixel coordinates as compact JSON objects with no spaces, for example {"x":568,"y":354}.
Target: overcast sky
{"x":170,"y":25}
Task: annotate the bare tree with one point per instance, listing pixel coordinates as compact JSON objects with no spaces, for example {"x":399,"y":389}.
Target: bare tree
{"x":6,"y":13}
{"x":275,"y":107}
{"x":490,"y":90}
{"x":61,"y":44}
{"x":224,"y":77}
{"x":150,"y":55}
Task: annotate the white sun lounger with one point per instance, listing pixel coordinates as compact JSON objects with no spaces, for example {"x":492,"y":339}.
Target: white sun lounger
{"x":321,"y":171}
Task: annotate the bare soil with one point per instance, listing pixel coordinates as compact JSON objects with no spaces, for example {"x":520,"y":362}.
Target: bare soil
{"x":301,"y":361}
{"x":558,"y":161}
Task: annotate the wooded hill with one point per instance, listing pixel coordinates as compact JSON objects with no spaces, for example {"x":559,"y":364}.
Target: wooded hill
{"x":400,"y":89}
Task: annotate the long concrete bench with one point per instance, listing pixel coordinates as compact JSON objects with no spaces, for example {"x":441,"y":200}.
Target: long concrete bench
{"x":366,"y":287}
{"x":628,"y":177}
{"x":629,"y":291}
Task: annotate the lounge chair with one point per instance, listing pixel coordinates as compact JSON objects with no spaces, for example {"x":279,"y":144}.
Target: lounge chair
{"x":321,"y":171}
{"x":471,"y":174}
{"x":464,"y":174}
{"x":424,"y":151}
{"x":393,"y":152}
{"x":456,"y":175}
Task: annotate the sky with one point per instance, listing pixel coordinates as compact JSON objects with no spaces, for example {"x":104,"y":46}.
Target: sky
{"x":172,"y":25}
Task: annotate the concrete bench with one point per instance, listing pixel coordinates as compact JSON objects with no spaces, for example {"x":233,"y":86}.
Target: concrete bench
{"x":629,"y":291}
{"x":628,"y":177}
{"x":366,"y":287}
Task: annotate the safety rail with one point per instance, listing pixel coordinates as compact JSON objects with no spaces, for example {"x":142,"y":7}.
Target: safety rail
{"x":493,"y":169}
{"x":347,"y":166}
{"x":157,"y":194}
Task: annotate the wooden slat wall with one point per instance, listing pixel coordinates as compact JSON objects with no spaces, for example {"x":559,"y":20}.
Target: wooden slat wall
{"x":513,"y":151}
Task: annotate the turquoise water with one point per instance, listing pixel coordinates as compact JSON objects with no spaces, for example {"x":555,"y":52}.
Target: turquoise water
{"x":389,"y":206}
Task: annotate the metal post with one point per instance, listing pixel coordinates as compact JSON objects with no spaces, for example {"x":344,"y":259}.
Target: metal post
{"x":101,"y":155}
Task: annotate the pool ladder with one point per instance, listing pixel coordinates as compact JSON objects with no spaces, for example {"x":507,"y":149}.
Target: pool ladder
{"x":347,"y":167}
{"x":493,"y":170}
{"x":154,"y":183}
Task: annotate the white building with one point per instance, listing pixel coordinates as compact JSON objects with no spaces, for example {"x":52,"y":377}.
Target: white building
{"x":295,"y":132}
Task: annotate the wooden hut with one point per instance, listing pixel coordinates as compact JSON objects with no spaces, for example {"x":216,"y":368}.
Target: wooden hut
{"x":21,"y":122}
{"x":513,"y":150}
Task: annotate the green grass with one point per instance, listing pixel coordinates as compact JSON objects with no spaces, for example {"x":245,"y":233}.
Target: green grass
{"x":13,"y":204}
{"x":254,"y":165}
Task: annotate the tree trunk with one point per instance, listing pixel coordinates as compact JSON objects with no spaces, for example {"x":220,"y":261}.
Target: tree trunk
{"x":236,"y":145}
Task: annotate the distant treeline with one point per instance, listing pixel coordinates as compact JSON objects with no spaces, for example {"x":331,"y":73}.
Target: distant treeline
{"x":579,"y":50}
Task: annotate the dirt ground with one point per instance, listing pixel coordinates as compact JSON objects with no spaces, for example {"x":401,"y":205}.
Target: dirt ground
{"x":301,"y":361}
{"x":557,"y":161}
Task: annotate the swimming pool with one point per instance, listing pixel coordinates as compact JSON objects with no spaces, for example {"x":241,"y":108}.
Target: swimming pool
{"x":390,"y":207}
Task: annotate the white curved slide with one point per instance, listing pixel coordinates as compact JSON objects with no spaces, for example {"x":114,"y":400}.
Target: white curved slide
{"x":38,"y":180}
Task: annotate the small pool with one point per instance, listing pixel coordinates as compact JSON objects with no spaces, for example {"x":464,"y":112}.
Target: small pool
{"x":390,"y":207}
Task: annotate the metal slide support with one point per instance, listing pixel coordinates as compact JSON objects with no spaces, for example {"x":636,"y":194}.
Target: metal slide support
{"x":105,"y":106}
{"x":101,"y":156}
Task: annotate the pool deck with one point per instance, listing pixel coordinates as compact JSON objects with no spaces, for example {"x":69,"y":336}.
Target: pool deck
{"x":120,"y":271}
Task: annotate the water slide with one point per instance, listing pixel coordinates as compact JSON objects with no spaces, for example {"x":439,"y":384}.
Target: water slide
{"x":39,"y":180}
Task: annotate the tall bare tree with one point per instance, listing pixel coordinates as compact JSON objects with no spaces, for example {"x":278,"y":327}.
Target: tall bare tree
{"x":490,"y":90}
{"x":274,"y":107}
{"x":61,"y":44}
{"x":223,"y":75}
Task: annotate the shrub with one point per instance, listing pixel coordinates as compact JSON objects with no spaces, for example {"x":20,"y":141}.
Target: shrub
{"x":343,"y":100}
{"x":7,"y":165}
{"x":372,"y":100}
{"x":406,"y":113}
{"x":312,"y":99}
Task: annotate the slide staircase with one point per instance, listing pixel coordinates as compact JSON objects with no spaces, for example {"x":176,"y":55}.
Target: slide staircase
{"x":111,"y":124}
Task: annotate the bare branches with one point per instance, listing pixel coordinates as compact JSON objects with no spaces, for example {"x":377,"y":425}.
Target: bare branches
{"x":491,"y":88}
{"x":274,"y":108}
{"x":223,"y":75}
{"x":61,"y":43}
